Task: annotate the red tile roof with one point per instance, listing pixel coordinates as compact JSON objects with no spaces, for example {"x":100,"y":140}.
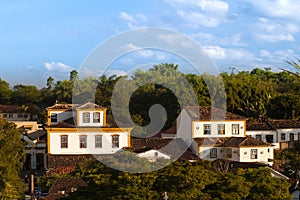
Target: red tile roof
{"x":211,"y":113}
{"x":254,"y":126}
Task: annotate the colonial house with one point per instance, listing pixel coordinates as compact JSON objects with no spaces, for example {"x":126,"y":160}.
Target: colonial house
{"x":281,"y":133}
{"x":75,"y":132}
{"x":213,"y":134}
{"x":16,"y":113}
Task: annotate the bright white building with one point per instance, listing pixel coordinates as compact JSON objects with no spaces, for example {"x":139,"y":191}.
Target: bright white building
{"x":216,"y":134}
{"x":82,"y":129}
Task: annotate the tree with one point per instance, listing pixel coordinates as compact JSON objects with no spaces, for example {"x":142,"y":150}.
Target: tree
{"x":11,"y":154}
{"x":5,"y":92}
{"x":25,"y":94}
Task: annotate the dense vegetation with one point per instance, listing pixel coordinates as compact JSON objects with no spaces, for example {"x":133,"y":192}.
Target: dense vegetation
{"x":11,"y":154}
{"x":258,"y":94}
{"x":179,"y":181}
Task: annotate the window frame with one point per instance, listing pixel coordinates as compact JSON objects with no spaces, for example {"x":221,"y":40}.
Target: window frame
{"x":86,"y":117}
{"x":53,"y":116}
{"x":258,"y":137}
{"x":115,"y":141}
{"x":64,"y":141}
{"x":97,"y":142}
{"x":253,"y":153}
{"x":206,"y":129}
{"x":96,"y":114}
{"x":82,"y":141}
{"x":235,"y":129}
{"x":282,"y":137}
{"x":213,"y":153}
{"x":221,"y":129}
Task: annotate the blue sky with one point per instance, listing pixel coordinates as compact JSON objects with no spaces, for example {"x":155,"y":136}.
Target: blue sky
{"x":46,"y":38}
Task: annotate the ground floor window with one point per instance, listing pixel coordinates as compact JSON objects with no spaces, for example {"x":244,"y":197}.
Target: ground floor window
{"x":115,"y":141}
{"x":82,"y":141}
{"x":213,"y":153}
{"x":253,"y":153}
{"x":64,"y":141}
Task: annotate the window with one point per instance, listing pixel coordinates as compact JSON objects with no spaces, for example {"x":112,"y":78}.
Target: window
{"x":86,"y":117}
{"x":253,"y":153}
{"x":206,"y":128}
{"x":96,"y":117}
{"x":20,"y":115}
{"x":4,"y":115}
{"x":115,"y":141}
{"x":259,"y":137}
{"x":155,"y":154}
{"x":98,"y":141}
{"x":235,"y":129}
{"x":82,"y":141}
{"x":269,"y":138}
{"x":10,"y":115}
{"x":282,"y":137}
{"x":213,"y":153}
{"x":53,"y":117}
{"x":221,"y":129}
{"x":63,"y":141}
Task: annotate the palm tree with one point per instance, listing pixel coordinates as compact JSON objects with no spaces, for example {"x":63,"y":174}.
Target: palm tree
{"x":294,"y":63}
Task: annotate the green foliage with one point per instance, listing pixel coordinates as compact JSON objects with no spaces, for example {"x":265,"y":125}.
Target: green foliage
{"x":11,"y":154}
{"x":179,"y":181}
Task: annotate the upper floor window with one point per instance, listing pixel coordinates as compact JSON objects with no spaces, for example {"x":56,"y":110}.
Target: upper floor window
{"x":115,"y":141}
{"x":282,"y":137}
{"x":98,"y":141}
{"x":96,"y":117}
{"x":53,"y":117}
{"x":82,"y":141}
{"x":235,"y":129}
{"x":259,"y":137}
{"x":213,"y":153}
{"x":221,"y":129}
{"x":253,"y":153}
{"x":206,"y":129}
{"x":63,"y":141}
{"x":86,"y":117}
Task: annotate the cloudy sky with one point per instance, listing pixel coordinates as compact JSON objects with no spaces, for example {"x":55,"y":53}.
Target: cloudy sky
{"x":46,"y":38}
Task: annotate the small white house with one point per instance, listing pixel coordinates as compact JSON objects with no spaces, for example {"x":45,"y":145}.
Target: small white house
{"x":280,"y":133}
{"x":152,"y":155}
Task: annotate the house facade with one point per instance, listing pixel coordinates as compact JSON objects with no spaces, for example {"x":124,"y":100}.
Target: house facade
{"x":216,"y":134}
{"x":281,"y":133}
{"x":16,"y":113}
{"x":78,"y":130}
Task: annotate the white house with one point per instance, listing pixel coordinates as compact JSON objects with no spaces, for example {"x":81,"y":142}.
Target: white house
{"x":83,"y":129}
{"x":152,"y":155}
{"x":216,"y":134}
{"x":280,"y":133}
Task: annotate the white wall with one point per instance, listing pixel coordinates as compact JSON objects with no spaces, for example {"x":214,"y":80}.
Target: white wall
{"x":151,"y":154}
{"x":61,"y":115}
{"x":262,"y":154}
{"x":73,"y":142}
{"x":184,"y":127}
{"x":198,"y":128}
{"x":287,"y":132}
{"x":263,"y":134}
{"x":80,"y":120}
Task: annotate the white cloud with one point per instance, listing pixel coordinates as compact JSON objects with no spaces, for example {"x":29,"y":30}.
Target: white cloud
{"x":269,"y":31}
{"x":231,"y":54}
{"x":288,"y":9}
{"x":264,"y":53}
{"x":215,"y":52}
{"x":209,"y":39}
{"x":133,"y":22}
{"x":209,"y":13}
{"x":126,"y":16}
{"x":57,"y":66}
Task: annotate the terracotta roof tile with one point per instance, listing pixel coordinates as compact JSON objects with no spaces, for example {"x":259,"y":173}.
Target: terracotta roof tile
{"x":9,"y":109}
{"x":211,"y":113}
{"x":244,"y":142}
{"x":211,"y":141}
{"x":62,"y":107}
{"x":253,"y":126}
{"x":285,"y":123}
{"x":89,"y":105}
